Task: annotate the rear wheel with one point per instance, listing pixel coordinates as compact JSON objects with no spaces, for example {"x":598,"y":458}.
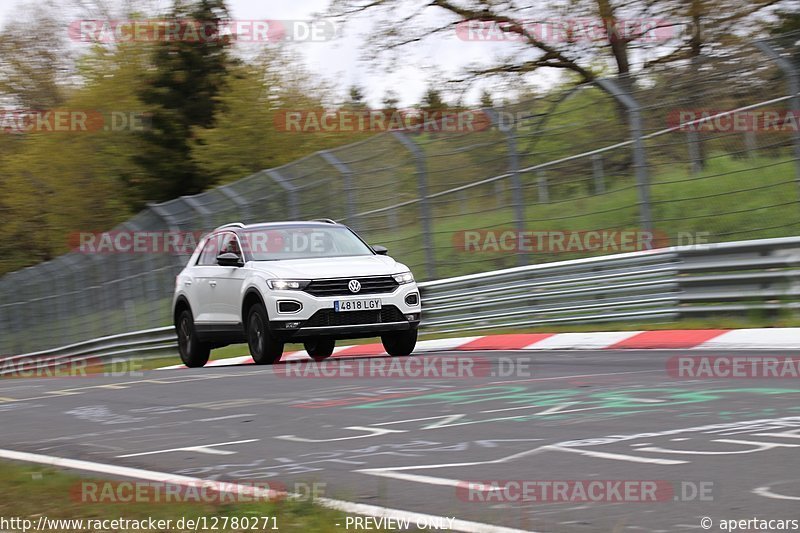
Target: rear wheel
{"x":264,"y":348}
{"x":194,"y":353}
{"x":320,"y":349}
{"x":400,"y":343}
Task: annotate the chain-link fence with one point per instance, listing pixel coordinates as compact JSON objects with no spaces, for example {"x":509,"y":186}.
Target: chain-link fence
{"x":665,"y":155}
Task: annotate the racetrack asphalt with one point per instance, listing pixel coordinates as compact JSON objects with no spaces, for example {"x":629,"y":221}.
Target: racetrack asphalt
{"x":411,"y":442}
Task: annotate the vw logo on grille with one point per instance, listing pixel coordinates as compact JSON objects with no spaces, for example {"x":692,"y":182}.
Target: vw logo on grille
{"x":354,"y":285}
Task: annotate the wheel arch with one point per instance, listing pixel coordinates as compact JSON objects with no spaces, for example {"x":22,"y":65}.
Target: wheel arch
{"x":252,"y":296}
{"x":181,"y":304}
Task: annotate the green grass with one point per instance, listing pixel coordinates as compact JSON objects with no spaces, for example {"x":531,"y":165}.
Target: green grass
{"x":31,"y":491}
{"x":732,"y":199}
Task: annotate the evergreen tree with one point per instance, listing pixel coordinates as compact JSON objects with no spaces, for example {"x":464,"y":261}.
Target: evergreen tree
{"x":190,"y":74}
{"x":486,"y":99}
{"x":432,"y":101}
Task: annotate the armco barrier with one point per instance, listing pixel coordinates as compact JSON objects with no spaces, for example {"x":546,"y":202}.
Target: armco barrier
{"x":731,"y":279}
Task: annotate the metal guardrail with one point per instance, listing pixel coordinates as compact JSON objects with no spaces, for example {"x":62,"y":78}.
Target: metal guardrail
{"x":151,"y":343}
{"x":738,"y":278}
{"x":731,"y":279}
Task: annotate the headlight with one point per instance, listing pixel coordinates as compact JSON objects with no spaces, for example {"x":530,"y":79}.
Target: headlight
{"x":405,"y":277}
{"x":288,"y":284}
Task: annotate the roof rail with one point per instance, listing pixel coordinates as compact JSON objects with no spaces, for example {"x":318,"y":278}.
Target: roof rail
{"x":230,"y":225}
{"x":325,"y":220}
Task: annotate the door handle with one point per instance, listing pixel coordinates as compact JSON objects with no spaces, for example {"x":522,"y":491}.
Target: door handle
{"x":213,"y":283}
{"x":187,"y":282}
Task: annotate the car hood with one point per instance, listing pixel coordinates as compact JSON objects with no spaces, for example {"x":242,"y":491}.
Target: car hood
{"x":330,"y":267}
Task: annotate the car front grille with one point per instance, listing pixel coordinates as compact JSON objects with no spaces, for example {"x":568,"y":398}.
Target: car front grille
{"x":338,"y":287}
{"x":329,"y":317}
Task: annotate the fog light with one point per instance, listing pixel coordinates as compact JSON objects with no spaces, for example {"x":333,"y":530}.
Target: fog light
{"x":292,"y":325}
{"x":289,"y":306}
{"x":412,"y":299}
{"x":411,"y":317}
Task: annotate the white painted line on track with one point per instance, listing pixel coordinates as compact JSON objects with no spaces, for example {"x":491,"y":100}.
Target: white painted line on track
{"x":340,"y":505}
{"x":617,"y":456}
{"x":209,"y":449}
{"x":214,"y":419}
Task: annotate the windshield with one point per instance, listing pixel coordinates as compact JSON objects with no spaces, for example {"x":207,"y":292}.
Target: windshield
{"x":302,"y":242}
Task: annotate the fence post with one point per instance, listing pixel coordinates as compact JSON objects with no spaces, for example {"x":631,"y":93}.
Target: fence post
{"x":205,"y":213}
{"x":5,"y":320}
{"x":242,"y":205}
{"x":598,"y":174}
{"x":349,"y":191}
{"x":518,"y":198}
{"x":695,"y":159}
{"x":541,"y":181}
{"x":291,"y":191}
{"x":424,"y":205}
{"x":793,"y":80}
{"x":639,"y":155}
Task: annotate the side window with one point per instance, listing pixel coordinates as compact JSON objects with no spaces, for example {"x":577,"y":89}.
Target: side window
{"x":208,"y":256}
{"x":230,"y":244}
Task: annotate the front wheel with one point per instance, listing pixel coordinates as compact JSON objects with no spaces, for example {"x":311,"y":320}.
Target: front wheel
{"x":194,"y":353}
{"x":264,"y":348}
{"x":400,"y":343}
{"x":319,"y":349}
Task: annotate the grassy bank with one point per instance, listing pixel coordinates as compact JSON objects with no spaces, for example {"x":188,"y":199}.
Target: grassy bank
{"x":32,"y":491}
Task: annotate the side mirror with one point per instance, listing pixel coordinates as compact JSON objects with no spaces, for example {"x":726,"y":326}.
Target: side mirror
{"x":229,"y":259}
{"x":380,"y":250}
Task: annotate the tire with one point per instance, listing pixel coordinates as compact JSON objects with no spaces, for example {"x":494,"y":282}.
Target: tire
{"x":320,"y":349}
{"x":400,"y":343}
{"x":264,"y":348}
{"x":194,"y":353}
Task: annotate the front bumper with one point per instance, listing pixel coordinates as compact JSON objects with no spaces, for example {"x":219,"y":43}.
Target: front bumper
{"x":317,"y":317}
{"x":353,"y":331}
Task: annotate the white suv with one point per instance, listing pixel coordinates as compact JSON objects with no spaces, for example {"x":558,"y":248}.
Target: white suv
{"x":310,"y":282}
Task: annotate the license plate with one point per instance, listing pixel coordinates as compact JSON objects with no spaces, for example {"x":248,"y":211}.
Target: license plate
{"x":357,"y":305}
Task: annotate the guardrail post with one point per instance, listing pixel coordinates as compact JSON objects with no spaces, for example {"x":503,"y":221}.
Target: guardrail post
{"x":793,"y":80}
{"x":349,"y":190}
{"x":424,"y":205}
{"x":639,"y":156}
{"x":517,"y":194}
{"x":291,"y":191}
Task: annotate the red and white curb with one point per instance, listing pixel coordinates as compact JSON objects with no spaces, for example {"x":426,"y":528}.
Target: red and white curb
{"x":691,"y":339}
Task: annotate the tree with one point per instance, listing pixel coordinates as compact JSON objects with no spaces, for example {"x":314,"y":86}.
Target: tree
{"x":486,"y":99}
{"x":249,"y":135}
{"x":390,"y":101}
{"x":33,"y":63}
{"x":580,"y":33}
{"x":787,"y":32}
{"x":432,"y":101}
{"x":356,"y":98}
{"x":184,"y":91}
{"x":56,"y":184}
